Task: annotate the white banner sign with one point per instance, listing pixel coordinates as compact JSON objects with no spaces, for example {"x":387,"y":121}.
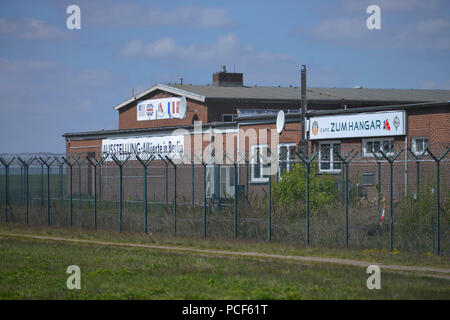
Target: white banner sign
{"x":166,"y":108}
{"x":145,"y":147}
{"x":376,"y":124}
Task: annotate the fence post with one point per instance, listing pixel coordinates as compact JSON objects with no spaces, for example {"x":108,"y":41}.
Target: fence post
{"x":60,"y":173}
{"x":42,"y":183}
{"x":346,"y":161}
{"x":79,"y":181}
{"x":236,"y":168}
{"x":95,"y":163}
{"x":204,"y":195}
{"x":218,"y":186}
{"x":120,"y":165}
{"x":27,"y":193}
{"x":6,"y":164}
{"x":379,"y":183}
{"x":70,"y":187}
{"x":193,"y":184}
{"x":438,"y":161}
{"x":167,"y":182}
{"x":269,"y":205}
{"x":391,"y":174}
{"x":145,"y":164}
{"x":26,"y":164}
{"x":307,"y":163}
{"x":246,"y":179}
{"x":204,"y":199}
{"x":174,"y":194}
{"x":235,"y":165}
{"x":100,"y":182}
{"x":95,"y":191}
{"x":22,"y":181}
{"x":47,"y":164}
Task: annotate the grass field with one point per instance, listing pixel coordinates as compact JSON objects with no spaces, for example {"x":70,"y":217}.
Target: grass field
{"x":36,"y":269}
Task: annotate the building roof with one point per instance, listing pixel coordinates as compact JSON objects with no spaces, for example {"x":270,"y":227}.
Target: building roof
{"x":207,"y":92}
{"x":103,"y":134}
{"x":314,"y":93}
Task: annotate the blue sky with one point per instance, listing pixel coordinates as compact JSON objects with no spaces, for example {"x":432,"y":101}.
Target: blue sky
{"x":55,"y":80}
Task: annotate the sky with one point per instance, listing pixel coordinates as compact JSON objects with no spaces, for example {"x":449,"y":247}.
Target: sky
{"x":55,"y":80}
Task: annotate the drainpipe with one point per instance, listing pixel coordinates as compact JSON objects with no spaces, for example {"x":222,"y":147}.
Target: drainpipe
{"x":406,"y":166}
{"x":237,"y":154}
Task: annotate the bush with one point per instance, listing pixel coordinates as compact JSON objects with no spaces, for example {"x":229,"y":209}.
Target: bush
{"x":291,"y":188}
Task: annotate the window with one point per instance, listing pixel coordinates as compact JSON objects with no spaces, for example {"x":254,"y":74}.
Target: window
{"x":368,"y":179}
{"x":373,"y":146}
{"x":286,"y":157}
{"x":260,"y":162}
{"x":328,"y":161}
{"x":419,"y":145}
{"x":227,"y":117}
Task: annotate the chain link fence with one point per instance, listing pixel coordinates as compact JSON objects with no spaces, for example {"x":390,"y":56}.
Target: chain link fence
{"x":387,"y":196}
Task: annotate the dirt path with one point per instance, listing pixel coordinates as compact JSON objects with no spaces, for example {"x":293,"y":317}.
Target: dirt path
{"x":443,"y":273}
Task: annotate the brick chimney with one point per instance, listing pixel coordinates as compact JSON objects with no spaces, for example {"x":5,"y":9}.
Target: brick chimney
{"x":227,"y":79}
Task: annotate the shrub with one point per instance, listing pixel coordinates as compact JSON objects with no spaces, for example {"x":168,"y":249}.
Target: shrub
{"x":291,"y":188}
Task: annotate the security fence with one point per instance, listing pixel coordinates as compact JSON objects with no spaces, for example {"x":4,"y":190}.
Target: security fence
{"x":333,"y":196}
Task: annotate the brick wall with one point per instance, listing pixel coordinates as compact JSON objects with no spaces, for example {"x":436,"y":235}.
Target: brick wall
{"x":431,"y":123}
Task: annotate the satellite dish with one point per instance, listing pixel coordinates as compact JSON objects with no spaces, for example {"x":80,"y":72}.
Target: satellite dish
{"x":280,"y":121}
{"x":183,"y":107}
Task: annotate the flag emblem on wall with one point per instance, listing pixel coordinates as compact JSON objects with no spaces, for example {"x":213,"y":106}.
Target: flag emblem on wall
{"x":149,"y":110}
{"x":386,"y":125}
{"x":141,"y":110}
{"x":173,"y":107}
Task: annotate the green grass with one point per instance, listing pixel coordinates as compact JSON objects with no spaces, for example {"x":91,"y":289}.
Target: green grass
{"x":375,"y":255}
{"x":36,"y":269}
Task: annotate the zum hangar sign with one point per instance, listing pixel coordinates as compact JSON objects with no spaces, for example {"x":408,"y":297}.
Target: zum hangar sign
{"x":375,"y":124}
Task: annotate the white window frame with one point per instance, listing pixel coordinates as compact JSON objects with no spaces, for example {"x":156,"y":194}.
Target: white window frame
{"x":261,"y":178}
{"x":289,"y":162}
{"x":414,"y":145}
{"x":368,"y":154}
{"x":332,"y":157}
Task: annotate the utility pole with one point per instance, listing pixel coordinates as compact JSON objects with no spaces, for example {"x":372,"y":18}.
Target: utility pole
{"x":304,"y":108}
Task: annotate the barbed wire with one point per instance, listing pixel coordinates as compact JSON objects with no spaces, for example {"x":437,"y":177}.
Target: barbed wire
{"x":264,"y":155}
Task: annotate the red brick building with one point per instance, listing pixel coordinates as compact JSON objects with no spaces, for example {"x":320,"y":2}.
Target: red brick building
{"x":197,"y":121}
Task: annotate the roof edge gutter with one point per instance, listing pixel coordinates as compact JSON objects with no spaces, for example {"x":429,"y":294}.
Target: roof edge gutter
{"x":162,"y":87}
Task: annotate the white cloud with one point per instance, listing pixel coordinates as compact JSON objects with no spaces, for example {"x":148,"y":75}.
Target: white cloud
{"x":225,"y":48}
{"x":40,"y":100}
{"x":132,"y":15}
{"x":352,"y":32}
{"x":404,"y":24}
{"x":433,"y":25}
{"x":392,"y":5}
{"x":94,"y":77}
{"x":31,"y":29}
{"x":338,"y":28}
{"x":7,"y":65}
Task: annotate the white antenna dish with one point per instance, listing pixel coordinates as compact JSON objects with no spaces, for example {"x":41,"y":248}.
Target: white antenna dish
{"x":183,"y":107}
{"x":280,"y":121}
